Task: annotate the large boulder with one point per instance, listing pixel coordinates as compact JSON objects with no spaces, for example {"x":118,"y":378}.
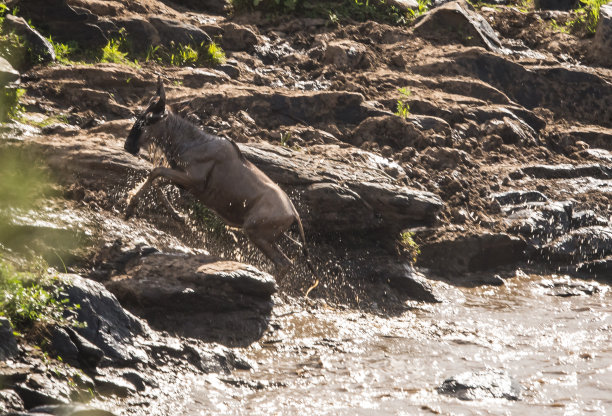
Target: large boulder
{"x":40,"y":49}
{"x":458,"y":22}
{"x":199,"y":296}
{"x":109,"y":327}
{"x":65,"y":22}
{"x":140,"y":32}
{"x":346,"y":190}
{"x":179,"y":33}
{"x":556,"y":4}
{"x":238,"y":38}
{"x":480,"y":385}
{"x":602,"y":44}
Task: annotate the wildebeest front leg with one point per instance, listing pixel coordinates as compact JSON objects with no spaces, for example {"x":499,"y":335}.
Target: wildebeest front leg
{"x":161,"y":196}
{"x":174,"y":176}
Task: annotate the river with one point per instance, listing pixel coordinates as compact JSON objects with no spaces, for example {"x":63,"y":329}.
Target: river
{"x":551,"y":334}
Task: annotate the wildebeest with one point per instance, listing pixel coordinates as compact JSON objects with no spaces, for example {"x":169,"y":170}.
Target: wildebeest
{"x":216,"y":172}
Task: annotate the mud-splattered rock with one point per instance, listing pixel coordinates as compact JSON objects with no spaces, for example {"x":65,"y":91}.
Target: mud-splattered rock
{"x":567,"y":171}
{"x":405,"y":279}
{"x":8,"y":343}
{"x":489,"y":384}
{"x":347,"y":55}
{"x":473,"y":253}
{"x":584,"y":244}
{"x":511,"y":131}
{"x":599,"y":269}
{"x":519,"y":197}
{"x":10,"y":402}
{"x":540,"y":223}
{"x":346,"y":190}
{"x":587,"y":218}
{"x":226,"y":301}
{"x":458,"y":21}
{"x":389,"y":130}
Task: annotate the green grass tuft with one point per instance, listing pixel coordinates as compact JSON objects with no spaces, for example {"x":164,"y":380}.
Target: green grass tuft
{"x":32,"y":296}
{"x":216,"y":55}
{"x":409,"y":245}
{"x":112,"y":53}
{"x":403,"y":109}
{"x":64,"y":51}
{"x":186,"y":55}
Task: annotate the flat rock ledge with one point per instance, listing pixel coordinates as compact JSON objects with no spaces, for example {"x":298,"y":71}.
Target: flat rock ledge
{"x":198,"y":296}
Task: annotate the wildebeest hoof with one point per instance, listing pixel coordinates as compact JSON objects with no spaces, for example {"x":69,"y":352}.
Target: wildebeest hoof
{"x":129,"y":212}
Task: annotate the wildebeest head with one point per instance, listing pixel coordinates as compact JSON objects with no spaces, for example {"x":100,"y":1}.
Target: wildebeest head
{"x":156,"y":111}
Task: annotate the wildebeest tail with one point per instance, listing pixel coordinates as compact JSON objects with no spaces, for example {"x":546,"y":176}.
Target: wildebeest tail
{"x":307,"y":255}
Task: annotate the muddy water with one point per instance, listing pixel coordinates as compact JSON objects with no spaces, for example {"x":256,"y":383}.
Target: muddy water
{"x":324,"y":361}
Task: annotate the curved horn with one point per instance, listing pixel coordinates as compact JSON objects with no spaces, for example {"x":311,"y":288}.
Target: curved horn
{"x":161,"y":92}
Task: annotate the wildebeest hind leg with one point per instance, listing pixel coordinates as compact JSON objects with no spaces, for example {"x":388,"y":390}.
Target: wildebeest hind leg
{"x":271,"y":250}
{"x":263,"y":231}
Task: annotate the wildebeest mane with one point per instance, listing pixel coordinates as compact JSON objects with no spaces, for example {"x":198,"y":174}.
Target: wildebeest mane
{"x":179,"y":123}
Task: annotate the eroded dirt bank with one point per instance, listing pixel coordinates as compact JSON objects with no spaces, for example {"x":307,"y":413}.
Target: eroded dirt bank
{"x":501,"y":170}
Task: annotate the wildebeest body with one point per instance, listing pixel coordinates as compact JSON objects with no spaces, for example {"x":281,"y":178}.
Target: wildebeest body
{"x":214,"y":170}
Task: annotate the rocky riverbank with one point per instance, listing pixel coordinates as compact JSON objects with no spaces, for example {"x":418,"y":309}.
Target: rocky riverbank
{"x":500,"y":161}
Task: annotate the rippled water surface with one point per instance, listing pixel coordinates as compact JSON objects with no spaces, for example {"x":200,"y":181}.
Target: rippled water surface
{"x":551,"y":334}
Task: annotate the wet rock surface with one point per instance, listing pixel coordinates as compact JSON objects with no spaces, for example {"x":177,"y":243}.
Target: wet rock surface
{"x":501,"y":165}
{"x":8,"y":343}
{"x":490,"y":384}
